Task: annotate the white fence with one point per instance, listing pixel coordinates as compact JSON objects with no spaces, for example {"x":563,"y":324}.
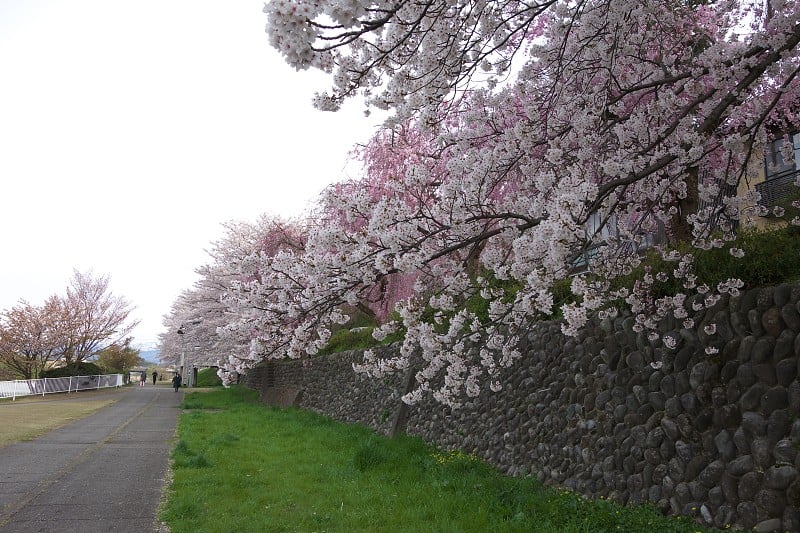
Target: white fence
{"x":32,"y":387}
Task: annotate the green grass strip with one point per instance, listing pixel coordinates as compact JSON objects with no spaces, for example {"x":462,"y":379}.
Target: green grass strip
{"x":242,"y":466}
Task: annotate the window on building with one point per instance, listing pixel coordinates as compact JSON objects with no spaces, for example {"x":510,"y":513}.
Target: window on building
{"x":782,"y":163}
{"x":596,"y":224}
{"x":776,"y":161}
{"x":608,"y":228}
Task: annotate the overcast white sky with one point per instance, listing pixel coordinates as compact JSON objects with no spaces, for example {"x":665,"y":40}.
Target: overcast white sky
{"x":129,"y":131}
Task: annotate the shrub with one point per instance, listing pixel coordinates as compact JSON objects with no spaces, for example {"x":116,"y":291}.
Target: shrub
{"x":771,"y":257}
{"x":81,"y":369}
{"x":349,"y":339}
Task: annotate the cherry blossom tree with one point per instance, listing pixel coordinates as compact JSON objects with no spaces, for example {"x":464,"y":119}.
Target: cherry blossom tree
{"x":261,"y":262}
{"x":171,"y":344}
{"x":70,"y":328}
{"x":386,"y":159}
{"x":413,"y":54}
{"x":30,"y":338}
{"x":221,"y":316}
{"x":526,"y":134}
{"x":94,"y":317}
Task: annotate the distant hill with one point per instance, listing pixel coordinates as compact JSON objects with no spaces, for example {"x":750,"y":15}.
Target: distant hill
{"x":151,"y":356}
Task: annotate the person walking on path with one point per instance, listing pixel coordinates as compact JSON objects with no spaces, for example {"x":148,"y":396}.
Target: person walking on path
{"x":176,"y":382}
{"x":155,"y":375}
{"x":143,"y":378}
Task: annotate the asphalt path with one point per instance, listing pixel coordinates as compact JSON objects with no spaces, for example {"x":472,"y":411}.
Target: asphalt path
{"x":105,"y":472}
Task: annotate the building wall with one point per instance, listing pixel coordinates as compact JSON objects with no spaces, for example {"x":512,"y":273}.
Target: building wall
{"x":712,"y":437}
{"x":777,"y":190}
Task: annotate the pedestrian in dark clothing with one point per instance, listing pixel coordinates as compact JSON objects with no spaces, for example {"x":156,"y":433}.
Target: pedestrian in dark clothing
{"x":176,"y":382}
{"x":155,"y":375}
{"x":143,"y":378}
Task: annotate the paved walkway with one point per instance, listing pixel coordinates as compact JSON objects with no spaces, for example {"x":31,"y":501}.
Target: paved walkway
{"x":105,"y":472}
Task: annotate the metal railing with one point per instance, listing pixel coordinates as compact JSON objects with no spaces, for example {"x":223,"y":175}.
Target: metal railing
{"x":777,"y":189}
{"x":34,"y":387}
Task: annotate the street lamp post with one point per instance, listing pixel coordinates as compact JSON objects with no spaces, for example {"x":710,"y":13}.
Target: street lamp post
{"x":193,"y":369}
{"x":187,"y":369}
{"x":181,"y":333}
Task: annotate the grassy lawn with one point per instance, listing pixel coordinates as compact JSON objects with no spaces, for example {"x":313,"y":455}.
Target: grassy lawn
{"x":242,"y":466}
{"x":30,"y":417}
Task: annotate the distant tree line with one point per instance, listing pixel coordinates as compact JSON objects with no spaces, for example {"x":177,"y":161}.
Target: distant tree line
{"x":88,"y":321}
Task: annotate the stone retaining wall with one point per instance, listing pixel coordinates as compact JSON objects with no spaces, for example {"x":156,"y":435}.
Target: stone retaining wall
{"x":611,"y":414}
